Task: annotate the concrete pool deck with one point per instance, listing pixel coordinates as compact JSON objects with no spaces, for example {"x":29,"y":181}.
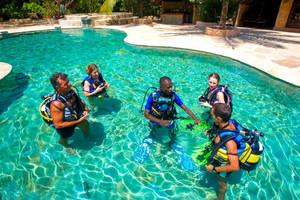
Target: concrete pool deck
{"x":274,"y":52}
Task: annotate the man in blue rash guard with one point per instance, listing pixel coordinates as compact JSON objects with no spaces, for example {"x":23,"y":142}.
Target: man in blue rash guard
{"x":160,"y":110}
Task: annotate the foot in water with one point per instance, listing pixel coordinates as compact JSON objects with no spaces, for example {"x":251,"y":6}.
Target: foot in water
{"x":143,"y":151}
{"x":70,"y":150}
{"x":185,"y":161}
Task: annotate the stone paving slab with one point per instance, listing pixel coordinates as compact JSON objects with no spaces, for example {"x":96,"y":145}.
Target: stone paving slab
{"x":274,"y":52}
{"x":5,"y":69}
{"x":290,"y":62}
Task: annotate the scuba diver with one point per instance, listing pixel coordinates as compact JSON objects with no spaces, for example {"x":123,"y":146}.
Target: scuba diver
{"x":67,"y":109}
{"x":160,"y":110}
{"x":94,"y":85}
{"x":215,"y":93}
{"x":233,"y":147}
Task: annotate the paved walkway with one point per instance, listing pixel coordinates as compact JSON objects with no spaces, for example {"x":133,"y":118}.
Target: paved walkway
{"x":276,"y":53}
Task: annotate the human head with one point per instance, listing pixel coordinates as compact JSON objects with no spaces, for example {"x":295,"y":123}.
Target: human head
{"x":213,"y":80}
{"x":221,"y":112}
{"x":60,"y":82}
{"x":92,"y":70}
{"x":165,"y":85}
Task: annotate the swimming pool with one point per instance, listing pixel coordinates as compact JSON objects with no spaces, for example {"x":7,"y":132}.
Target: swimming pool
{"x":35,"y":166}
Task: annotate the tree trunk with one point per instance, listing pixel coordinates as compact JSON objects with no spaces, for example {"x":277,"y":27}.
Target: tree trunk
{"x":224,"y":13}
{"x":194,"y":12}
{"x":141,"y":8}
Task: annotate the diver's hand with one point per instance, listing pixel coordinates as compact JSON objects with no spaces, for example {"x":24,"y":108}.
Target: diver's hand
{"x":86,"y":112}
{"x":164,"y":122}
{"x":85,"y":115}
{"x":209,"y":168}
{"x":99,"y":89}
{"x":196,"y":121}
{"x":106,"y":85}
{"x":206,"y":104}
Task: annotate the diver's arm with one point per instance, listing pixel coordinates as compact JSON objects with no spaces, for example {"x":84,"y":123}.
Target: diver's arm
{"x":86,"y":89}
{"x":233,"y":159}
{"x":220,"y":97}
{"x":106,"y":84}
{"x":154,"y":119}
{"x":56,"y":108}
{"x":190,"y":113}
{"x":86,"y":108}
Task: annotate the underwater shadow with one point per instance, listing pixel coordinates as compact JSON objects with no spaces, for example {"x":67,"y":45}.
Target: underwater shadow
{"x":108,"y":106}
{"x":11,"y":89}
{"x":96,"y":138}
{"x":209,"y":180}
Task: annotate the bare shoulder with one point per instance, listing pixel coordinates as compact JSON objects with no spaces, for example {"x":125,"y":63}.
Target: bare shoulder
{"x":220,"y":93}
{"x":231,"y":146}
{"x":86,"y":83}
{"x":57,"y":104}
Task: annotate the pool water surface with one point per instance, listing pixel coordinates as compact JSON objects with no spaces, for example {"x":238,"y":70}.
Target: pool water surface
{"x":35,"y":166}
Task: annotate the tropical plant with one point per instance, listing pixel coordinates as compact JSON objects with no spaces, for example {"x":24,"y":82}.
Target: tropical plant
{"x":33,"y":8}
{"x":86,"y":6}
{"x":11,"y":9}
{"x":108,"y":6}
{"x":50,"y":9}
{"x":216,"y":10}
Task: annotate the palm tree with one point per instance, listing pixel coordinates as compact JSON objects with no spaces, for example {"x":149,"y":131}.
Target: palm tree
{"x":108,"y":6}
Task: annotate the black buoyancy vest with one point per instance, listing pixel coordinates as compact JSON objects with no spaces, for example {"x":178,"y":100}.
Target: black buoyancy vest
{"x":163,"y":107}
{"x":211,"y":95}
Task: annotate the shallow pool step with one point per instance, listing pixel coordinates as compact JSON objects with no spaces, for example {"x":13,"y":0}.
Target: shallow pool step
{"x":70,"y":23}
{"x":77,"y":21}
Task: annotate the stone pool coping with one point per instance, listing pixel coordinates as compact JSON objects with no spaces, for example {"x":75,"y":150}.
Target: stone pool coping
{"x":5,"y":69}
{"x":274,"y":52}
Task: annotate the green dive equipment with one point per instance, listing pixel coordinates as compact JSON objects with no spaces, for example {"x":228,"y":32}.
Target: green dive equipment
{"x":202,"y":154}
{"x":188,"y":123}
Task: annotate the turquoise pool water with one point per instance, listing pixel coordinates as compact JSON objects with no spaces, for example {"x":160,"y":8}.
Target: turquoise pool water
{"x":35,"y":166}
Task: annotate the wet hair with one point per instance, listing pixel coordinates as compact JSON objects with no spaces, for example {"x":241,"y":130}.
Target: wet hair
{"x":163,"y":79}
{"x":222,"y":110}
{"x":90,"y":68}
{"x":54,"y":77}
{"x":215,"y":75}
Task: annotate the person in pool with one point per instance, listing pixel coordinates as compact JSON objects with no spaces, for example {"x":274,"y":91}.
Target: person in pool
{"x":215,"y":93}
{"x":223,"y":130}
{"x":67,"y":109}
{"x":94,"y":84}
{"x":160,"y":107}
{"x":160,"y":110}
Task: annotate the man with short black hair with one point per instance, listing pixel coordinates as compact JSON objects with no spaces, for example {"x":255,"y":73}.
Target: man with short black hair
{"x":160,"y":110}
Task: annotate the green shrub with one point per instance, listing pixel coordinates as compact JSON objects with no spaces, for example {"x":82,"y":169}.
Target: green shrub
{"x":210,"y":10}
{"x":50,"y":9}
{"x":33,"y":8}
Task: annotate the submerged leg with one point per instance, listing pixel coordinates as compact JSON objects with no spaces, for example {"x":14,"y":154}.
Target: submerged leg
{"x":222,"y":187}
{"x":64,"y":141}
{"x":85,"y":127}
